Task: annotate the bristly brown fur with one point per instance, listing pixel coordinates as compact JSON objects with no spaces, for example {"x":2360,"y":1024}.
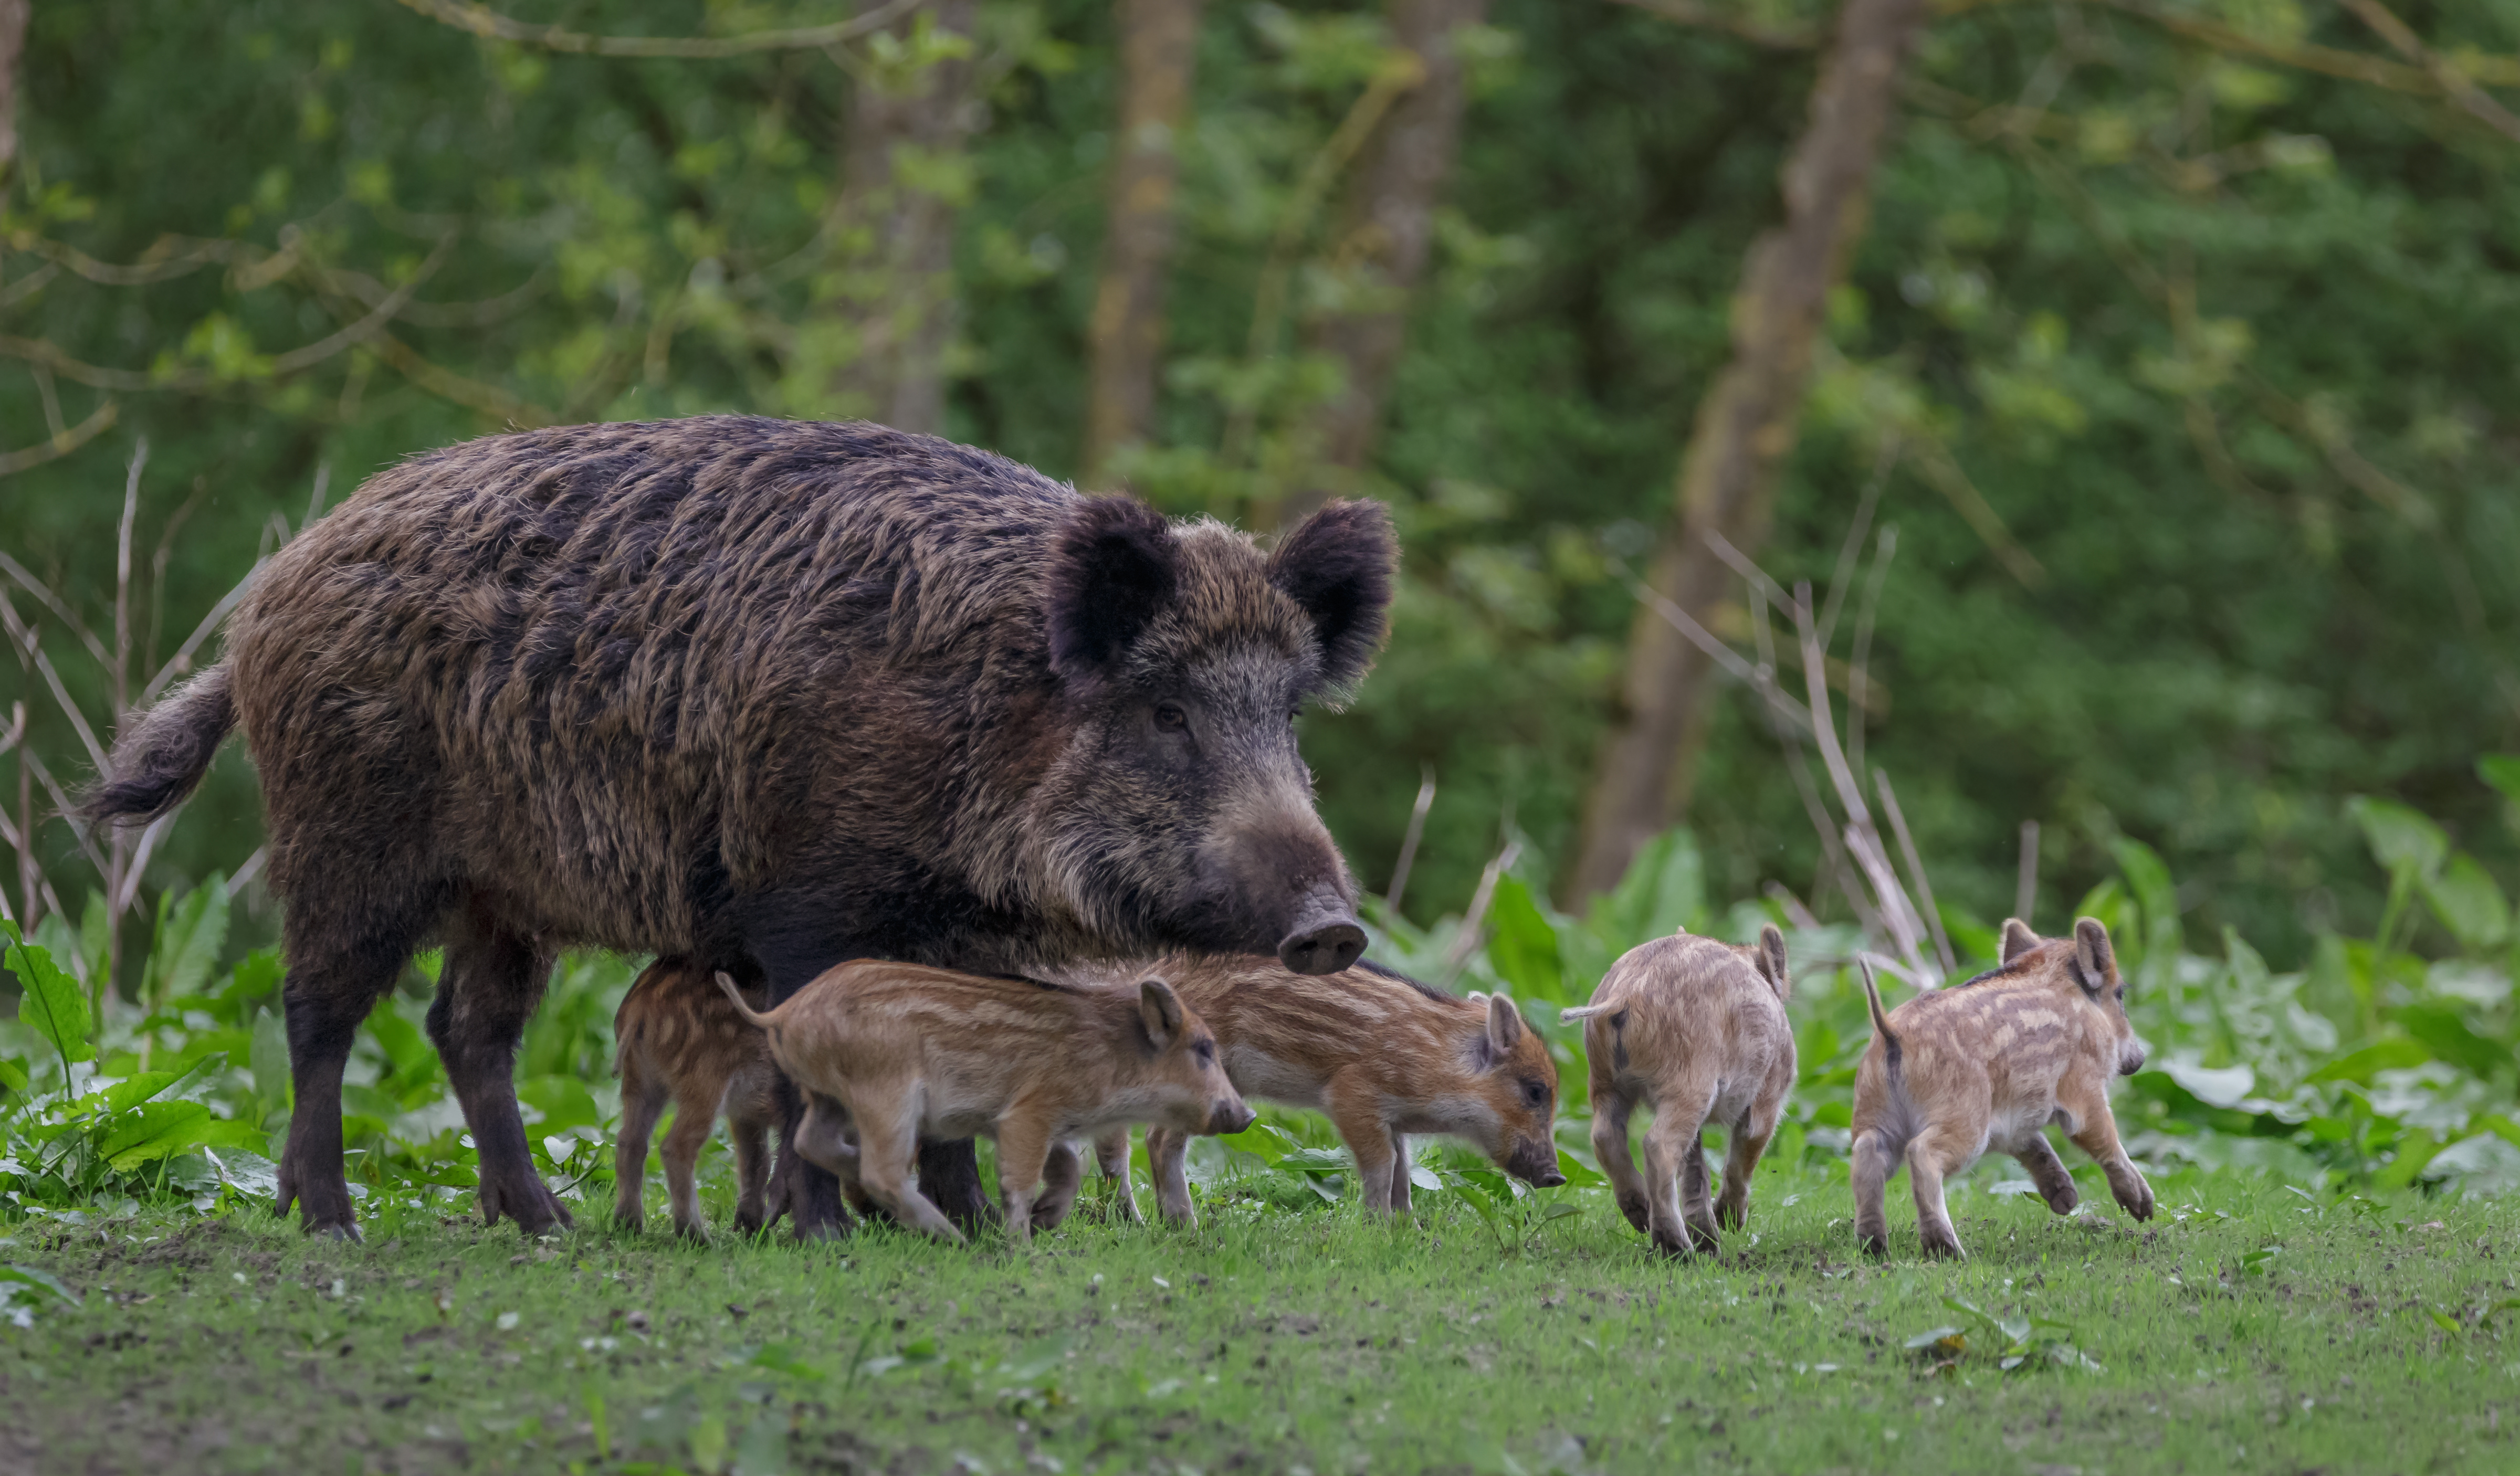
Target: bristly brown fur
{"x":1955,"y":1073}
{"x":1385,"y":1055}
{"x":1694,"y":1031}
{"x":761,"y":696}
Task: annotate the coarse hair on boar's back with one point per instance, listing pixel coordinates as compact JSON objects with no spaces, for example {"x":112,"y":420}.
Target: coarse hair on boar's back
{"x":764,"y":695}
{"x":1954,"y":1073}
{"x":1694,"y":1031}
{"x":1385,"y":1055}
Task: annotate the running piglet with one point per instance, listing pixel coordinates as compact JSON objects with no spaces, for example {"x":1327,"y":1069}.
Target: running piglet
{"x":1989,"y":1064}
{"x":1694,"y":1031}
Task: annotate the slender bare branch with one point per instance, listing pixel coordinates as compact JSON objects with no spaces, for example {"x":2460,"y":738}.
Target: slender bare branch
{"x":1916,"y":876}
{"x":63,"y":442}
{"x":2462,"y":89}
{"x":1409,"y":840}
{"x":137,"y":862}
{"x":25,"y":637}
{"x":62,"y":804}
{"x":251,"y":868}
{"x":2025,"y":887}
{"x":1851,"y":549}
{"x":1467,"y":941}
{"x":121,"y":667}
{"x":1703,"y":639}
{"x":1859,"y":673}
{"x":181,"y":661}
{"x":60,"y":611}
{"x":490,"y":25}
{"x":1835,"y":866}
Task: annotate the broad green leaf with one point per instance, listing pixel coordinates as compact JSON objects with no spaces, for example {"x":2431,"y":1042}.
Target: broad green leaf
{"x":2154,"y":890}
{"x":1316,"y":1161}
{"x":269,"y":1059}
{"x":2447,"y":1037}
{"x":56,"y":936}
{"x":1944,"y":1339}
{"x":95,"y":929}
{"x":2503,"y":771}
{"x":152,"y":1130}
{"x":2469,"y":904}
{"x":2396,"y":1054}
{"x":12,"y":1074}
{"x":1522,"y":943}
{"x":406,"y":1048}
{"x":1663,"y":891}
{"x":29,"y":1275}
{"x":2401,"y":839}
{"x":1578,"y":1176}
{"x":49,"y":1000}
{"x":190,"y":934}
{"x":562,"y":1101}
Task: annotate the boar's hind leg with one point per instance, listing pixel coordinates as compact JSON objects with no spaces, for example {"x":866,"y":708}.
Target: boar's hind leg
{"x":1741,"y":1161}
{"x":487,"y":990}
{"x":1111,"y":1161}
{"x":752,"y":1170}
{"x":1400,"y":1173}
{"x":643,"y":1102}
{"x":1676,"y":1172}
{"x":1927,"y":1164}
{"x":694,"y":1114}
{"x":1063,"y":1174}
{"x":1611,"y":1109}
{"x":330,"y":990}
{"x":949,"y":1175}
{"x":1872,"y":1163}
{"x":1168,"y":1157}
{"x":886,"y":1146}
{"x":2048,"y":1171}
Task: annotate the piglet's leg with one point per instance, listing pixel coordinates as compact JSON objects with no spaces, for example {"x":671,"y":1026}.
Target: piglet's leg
{"x":1023,"y":1151}
{"x":752,"y":1170}
{"x":2088,"y":1103}
{"x":1741,"y":1160}
{"x":1400,"y":1173}
{"x":1927,"y":1161}
{"x":2048,"y":1171}
{"x":1356,"y":1112}
{"x":1112,"y":1162}
{"x":694,"y":1114}
{"x":1168,"y":1157}
{"x":1872,"y":1163}
{"x":1671,"y":1143}
{"x":887,"y":1142}
{"x":643,"y":1102}
{"x":1611,"y":1110}
{"x":1063,"y":1174}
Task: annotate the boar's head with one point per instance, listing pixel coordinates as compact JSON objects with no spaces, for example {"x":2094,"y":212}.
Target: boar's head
{"x":1186,"y":1085}
{"x":1179,"y":814}
{"x":2092,"y":965}
{"x":1519,"y":1083}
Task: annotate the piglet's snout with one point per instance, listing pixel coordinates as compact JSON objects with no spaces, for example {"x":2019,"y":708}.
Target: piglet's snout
{"x":1536,"y":1164}
{"x":1229,"y":1114}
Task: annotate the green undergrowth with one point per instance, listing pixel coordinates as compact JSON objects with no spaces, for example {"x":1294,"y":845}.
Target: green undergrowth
{"x":2248,"y":1327}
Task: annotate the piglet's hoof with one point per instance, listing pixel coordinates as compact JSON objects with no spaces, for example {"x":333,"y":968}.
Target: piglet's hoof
{"x":1876,"y":1246}
{"x":1944,"y":1249}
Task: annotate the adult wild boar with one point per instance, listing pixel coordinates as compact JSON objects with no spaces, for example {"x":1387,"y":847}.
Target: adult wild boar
{"x":764,"y":695}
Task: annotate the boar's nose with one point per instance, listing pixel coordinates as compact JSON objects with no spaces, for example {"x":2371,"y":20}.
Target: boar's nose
{"x":1549,"y":1178}
{"x":2129,"y":1062}
{"x":1229,"y":1114}
{"x":1326,"y":937}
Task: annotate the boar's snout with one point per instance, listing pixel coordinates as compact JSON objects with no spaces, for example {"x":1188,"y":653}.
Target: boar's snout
{"x":1326,"y":937}
{"x":1535,"y":1163}
{"x":2130,"y":1057}
{"x":1229,"y":1114}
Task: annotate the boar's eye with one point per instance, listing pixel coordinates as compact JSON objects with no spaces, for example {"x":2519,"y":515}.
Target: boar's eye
{"x":1205,"y":1050}
{"x":1535,"y":1092}
{"x":1170,"y":718}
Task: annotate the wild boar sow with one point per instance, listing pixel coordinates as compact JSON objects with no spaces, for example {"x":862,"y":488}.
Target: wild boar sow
{"x":1987,"y":1065}
{"x":764,"y":696}
{"x":1694,"y":1031}
{"x":888,"y":1052}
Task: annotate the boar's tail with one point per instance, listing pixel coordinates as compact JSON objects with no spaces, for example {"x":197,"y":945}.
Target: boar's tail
{"x":1880,"y":1022}
{"x":726,"y":982}
{"x":160,"y":760}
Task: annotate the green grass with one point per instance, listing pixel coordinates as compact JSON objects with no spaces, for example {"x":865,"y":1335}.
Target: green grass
{"x":2377,"y":1338}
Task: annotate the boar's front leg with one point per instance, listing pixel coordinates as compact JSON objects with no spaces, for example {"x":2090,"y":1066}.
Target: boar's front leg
{"x":1168,"y":1157}
{"x":643,"y":1102}
{"x":486,"y":991}
{"x":2098,"y":1135}
{"x":1111,"y":1161}
{"x":1399,"y":1173}
{"x":2048,"y":1172}
{"x":1356,"y":1111}
{"x":1063,"y":1174}
{"x":887,"y":1142}
{"x":1024,"y":1153}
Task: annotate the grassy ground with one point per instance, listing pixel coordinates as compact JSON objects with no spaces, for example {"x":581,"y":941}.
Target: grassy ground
{"x":1275,"y":1341}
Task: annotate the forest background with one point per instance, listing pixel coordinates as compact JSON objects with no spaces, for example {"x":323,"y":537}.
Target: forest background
{"x":2133,"y":382}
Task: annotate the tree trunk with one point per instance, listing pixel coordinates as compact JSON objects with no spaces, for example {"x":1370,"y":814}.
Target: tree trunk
{"x":904,"y":176}
{"x":13,"y":50}
{"x":1386,"y":230}
{"x":1744,"y":434}
{"x":1158,"y":50}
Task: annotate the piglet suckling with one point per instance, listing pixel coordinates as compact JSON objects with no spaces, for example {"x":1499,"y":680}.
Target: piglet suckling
{"x":887,"y":1053}
{"x":1987,"y":1065}
{"x":1694,"y":1031}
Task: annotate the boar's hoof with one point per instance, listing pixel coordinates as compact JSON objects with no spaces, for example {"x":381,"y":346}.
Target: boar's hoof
{"x":1876,"y":1246}
{"x":818,"y":1232}
{"x":532,"y":1205}
{"x":340,"y":1229}
{"x":1634,"y":1207}
{"x":1943,"y":1247}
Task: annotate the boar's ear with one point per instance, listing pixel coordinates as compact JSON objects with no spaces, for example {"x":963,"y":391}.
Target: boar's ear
{"x":2094,"y":960}
{"x":1159,"y":1011}
{"x":1504,"y":1025}
{"x":1337,"y":565}
{"x":2018,"y":939}
{"x":1112,"y":568}
{"x":1772,"y":960}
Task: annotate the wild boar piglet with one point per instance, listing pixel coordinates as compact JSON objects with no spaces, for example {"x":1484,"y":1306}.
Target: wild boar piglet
{"x":1383,"y":1055}
{"x":679,"y":1041}
{"x":886,"y":1053}
{"x":1694,"y":1031}
{"x":1987,"y":1065}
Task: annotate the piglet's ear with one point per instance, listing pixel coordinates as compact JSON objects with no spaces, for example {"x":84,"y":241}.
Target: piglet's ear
{"x":2018,"y":939}
{"x":1504,"y":1024}
{"x":1336,"y":564}
{"x":1112,"y":568}
{"x":1159,"y":1010}
{"x":1772,"y":960}
{"x":2094,"y":961}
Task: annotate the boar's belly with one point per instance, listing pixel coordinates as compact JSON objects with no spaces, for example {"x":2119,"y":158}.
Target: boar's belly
{"x":1288,"y":1084}
{"x":2012,"y":1126}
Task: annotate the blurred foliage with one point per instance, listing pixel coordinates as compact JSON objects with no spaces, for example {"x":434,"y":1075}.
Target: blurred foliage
{"x":2224,"y":341}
